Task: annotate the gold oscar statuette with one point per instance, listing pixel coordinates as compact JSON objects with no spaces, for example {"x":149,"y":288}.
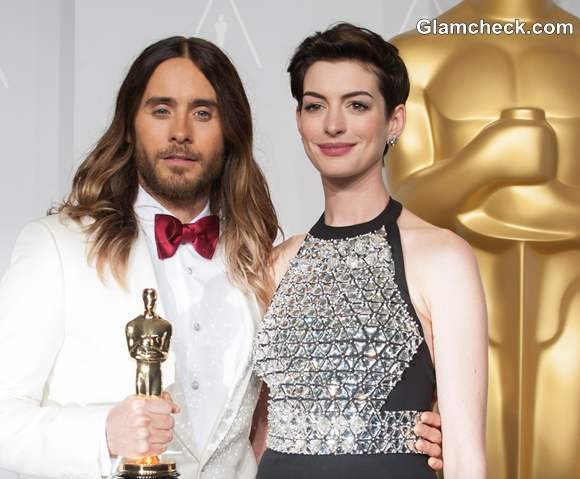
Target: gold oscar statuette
{"x":148,"y":338}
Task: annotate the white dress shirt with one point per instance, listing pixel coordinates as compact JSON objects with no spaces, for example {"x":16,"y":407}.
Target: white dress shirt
{"x":206,"y":312}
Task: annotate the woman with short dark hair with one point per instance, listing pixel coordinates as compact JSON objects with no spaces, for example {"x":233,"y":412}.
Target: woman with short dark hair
{"x":373,"y":300}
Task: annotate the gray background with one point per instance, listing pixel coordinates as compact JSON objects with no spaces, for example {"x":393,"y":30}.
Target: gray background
{"x":62,"y":61}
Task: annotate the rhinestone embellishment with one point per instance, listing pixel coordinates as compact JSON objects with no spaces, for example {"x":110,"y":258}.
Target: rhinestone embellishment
{"x":333,"y":344}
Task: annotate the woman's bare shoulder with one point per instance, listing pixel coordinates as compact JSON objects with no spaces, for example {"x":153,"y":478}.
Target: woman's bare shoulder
{"x":440,"y":263}
{"x":283,"y":254}
{"x":288,"y":248}
{"x":432,"y":243}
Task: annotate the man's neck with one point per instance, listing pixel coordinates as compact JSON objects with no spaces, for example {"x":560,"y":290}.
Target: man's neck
{"x":184,"y":210}
{"x":511,"y":9}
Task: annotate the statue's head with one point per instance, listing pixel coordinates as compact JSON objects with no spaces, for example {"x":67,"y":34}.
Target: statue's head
{"x":149,"y":300}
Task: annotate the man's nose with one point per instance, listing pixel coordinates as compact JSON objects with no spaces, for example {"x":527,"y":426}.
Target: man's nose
{"x":181,"y":131}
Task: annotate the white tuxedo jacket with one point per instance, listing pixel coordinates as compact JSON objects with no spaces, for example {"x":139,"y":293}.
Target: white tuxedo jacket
{"x":64,"y":363}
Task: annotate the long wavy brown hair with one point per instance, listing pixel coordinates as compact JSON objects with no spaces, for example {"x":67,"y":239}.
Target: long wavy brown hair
{"x":105,"y":186}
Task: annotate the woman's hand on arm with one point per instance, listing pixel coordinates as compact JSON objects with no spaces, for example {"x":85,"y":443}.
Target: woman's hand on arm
{"x":429,"y":442}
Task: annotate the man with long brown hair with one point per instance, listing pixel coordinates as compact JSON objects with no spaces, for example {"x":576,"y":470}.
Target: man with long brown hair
{"x":173,"y":172}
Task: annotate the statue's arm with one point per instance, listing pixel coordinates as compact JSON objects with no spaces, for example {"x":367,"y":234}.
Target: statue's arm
{"x":418,"y":175}
{"x":132,"y":333}
{"x":129,"y":334}
{"x":166,"y":338}
{"x":422,"y":171}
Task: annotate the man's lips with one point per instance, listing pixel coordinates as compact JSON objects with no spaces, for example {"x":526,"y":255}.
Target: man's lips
{"x":180,"y":159}
{"x":335,"y":149}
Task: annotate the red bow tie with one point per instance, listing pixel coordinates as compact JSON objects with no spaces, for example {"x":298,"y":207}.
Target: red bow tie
{"x":170,"y":233}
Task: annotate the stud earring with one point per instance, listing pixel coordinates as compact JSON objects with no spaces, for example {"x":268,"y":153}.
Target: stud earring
{"x":392,"y":141}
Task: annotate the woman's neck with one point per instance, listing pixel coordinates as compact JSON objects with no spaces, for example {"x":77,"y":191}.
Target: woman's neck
{"x":353,"y":201}
{"x":511,"y":9}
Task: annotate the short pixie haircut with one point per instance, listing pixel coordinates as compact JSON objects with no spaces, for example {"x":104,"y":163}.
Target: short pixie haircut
{"x":345,"y":41}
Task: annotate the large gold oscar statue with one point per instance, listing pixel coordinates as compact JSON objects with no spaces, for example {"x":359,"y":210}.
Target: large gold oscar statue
{"x":491,"y":151}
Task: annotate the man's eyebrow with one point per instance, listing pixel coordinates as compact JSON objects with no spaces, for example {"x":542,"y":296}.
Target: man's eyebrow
{"x":167,"y":100}
{"x":158,"y":100}
{"x":209,"y":102}
{"x":343,"y":97}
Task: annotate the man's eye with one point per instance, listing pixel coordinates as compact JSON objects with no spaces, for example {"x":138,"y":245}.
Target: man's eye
{"x":161,"y":112}
{"x":203,"y":115}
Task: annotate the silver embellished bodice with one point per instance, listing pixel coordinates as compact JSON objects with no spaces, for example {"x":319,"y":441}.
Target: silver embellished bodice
{"x":334,"y":343}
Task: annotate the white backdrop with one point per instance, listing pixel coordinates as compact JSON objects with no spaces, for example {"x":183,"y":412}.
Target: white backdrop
{"x":62,"y":61}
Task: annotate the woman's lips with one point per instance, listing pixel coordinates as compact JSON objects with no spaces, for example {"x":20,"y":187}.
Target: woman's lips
{"x":335,"y":149}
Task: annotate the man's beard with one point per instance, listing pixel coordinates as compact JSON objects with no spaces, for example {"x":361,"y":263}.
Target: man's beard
{"x":176,"y":186}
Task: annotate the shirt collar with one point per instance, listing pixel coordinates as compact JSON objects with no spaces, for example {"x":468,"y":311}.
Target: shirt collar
{"x":146,"y":207}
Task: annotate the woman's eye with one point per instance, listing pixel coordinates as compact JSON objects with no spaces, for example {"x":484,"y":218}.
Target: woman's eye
{"x":358,"y":106}
{"x":312,"y":107}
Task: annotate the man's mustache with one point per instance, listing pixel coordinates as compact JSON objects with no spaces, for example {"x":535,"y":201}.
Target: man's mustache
{"x":186,"y":153}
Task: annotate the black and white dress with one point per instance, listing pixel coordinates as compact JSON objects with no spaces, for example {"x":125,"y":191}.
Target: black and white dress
{"x":343,"y":353}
